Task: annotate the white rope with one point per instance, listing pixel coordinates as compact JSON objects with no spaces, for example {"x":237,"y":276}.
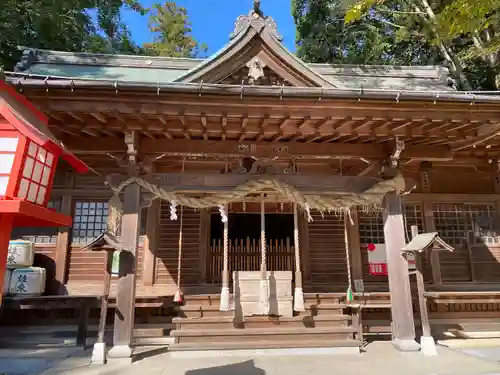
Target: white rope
{"x":224,"y":295}
{"x":178,"y":294}
{"x":349,"y":295}
{"x":264,"y":292}
{"x":298,"y":298}
{"x":369,"y":197}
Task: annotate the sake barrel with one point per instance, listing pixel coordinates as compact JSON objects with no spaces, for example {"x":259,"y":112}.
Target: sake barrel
{"x":6,"y":281}
{"x":27,"y":281}
{"x":21,"y":254}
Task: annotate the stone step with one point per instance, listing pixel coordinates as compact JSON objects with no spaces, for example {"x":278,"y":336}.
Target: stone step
{"x":271,"y":344}
{"x":262,"y":322}
{"x":262,"y":334}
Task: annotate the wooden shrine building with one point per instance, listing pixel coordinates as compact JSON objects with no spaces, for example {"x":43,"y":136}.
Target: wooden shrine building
{"x":332,"y":161}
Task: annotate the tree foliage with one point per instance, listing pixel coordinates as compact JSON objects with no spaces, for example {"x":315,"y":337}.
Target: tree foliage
{"x":465,"y":32}
{"x":323,"y":35}
{"x":172,"y":32}
{"x":65,"y":25}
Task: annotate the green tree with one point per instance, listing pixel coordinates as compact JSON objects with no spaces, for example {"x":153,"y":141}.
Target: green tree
{"x":323,"y":35}
{"x":64,"y":25}
{"x":172,"y":32}
{"x":464,"y":31}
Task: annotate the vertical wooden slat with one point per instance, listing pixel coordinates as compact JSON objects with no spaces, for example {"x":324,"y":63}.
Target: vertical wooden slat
{"x":204,"y":242}
{"x":151,"y":243}
{"x":305,"y":249}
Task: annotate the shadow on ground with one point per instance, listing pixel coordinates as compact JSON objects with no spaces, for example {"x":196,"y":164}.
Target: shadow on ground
{"x":243,"y":368}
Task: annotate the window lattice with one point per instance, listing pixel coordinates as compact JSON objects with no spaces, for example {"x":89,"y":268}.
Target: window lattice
{"x":371,"y":224}
{"x":449,"y":221}
{"x":371,"y":227}
{"x":39,"y":235}
{"x":413,"y":216}
{"x":89,"y":221}
{"x":482,"y":228}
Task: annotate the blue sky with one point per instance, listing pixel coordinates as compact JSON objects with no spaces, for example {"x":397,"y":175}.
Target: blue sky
{"x":213,"y":20}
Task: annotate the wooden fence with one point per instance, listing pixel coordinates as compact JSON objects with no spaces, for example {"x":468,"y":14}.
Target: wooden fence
{"x":245,"y":255}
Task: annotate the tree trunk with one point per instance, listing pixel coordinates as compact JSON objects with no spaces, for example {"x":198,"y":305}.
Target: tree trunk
{"x":447,"y":53}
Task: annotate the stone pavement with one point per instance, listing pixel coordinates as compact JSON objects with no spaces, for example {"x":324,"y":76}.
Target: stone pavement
{"x":379,"y":359}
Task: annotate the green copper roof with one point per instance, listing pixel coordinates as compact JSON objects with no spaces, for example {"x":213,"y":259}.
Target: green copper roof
{"x":116,"y":73}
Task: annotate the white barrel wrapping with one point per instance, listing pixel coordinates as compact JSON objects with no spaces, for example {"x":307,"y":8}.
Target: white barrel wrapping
{"x":27,"y":281}
{"x":6,"y":281}
{"x":21,"y":254}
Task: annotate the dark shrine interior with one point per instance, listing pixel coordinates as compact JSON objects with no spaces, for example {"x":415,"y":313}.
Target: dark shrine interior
{"x":243,"y":225}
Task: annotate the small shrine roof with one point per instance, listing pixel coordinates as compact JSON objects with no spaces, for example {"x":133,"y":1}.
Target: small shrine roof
{"x":424,"y":241}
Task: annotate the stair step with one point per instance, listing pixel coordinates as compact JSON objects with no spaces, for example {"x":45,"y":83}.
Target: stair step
{"x":262,"y":334}
{"x":262,"y":331}
{"x":262,"y":322}
{"x":275,"y":344}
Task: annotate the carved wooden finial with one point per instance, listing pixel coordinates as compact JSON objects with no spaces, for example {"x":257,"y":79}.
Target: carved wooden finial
{"x":256,"y":7}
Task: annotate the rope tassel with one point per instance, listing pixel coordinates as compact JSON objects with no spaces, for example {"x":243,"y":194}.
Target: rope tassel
{"x":264,"y":287}
{"x":224,"y":295}
{"x":298,"y":297}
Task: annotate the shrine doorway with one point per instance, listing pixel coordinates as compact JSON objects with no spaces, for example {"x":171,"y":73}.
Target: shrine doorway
{"x":245,"y":245}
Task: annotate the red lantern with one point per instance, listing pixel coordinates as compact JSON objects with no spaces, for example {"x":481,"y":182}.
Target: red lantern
{"x":28,"y":160}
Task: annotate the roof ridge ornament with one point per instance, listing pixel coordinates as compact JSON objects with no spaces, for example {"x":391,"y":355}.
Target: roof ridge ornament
{"x":257,"y":21}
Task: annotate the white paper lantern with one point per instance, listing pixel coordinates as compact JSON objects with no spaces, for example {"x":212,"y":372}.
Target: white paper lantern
{"x":28,"y":281}
{"x":21,"y":254}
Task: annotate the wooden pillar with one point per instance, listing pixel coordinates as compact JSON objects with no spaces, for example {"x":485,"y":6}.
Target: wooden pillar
{"x":354,"y":245}
{"x":434,"y":256}
{"x":130,"y":230}
{"x":403,"y":325}
{"x":151,"y":242}
{"x":63,"y":238}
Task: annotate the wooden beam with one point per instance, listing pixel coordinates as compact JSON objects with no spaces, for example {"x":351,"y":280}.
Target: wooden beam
{"x":403,"y":325}
{"x":257,"y":149}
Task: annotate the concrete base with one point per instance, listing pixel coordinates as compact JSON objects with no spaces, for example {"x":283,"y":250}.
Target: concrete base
{"x":265,"y":352}
{"x":406,"y":345}
{"x":99,"y":353}
{"x":428,"y":346}
{"x":121,"y":352}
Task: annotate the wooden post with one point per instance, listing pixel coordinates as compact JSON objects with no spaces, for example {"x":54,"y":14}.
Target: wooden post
{"x":403,"y":326}
{"x":64,"y":237}
{"x":434,"y":256}
{"x":427,"y":343}
{"x":99,"y":352}
{"x":125,"y":298}
{"x":151,"y":242}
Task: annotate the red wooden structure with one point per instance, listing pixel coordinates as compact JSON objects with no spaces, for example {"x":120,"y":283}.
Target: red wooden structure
{"x":28,"y":159}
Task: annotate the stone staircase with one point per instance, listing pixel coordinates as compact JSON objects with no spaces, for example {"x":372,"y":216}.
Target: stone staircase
{"x":326,"y":323}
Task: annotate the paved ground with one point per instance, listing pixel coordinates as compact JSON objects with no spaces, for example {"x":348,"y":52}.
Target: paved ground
{"x":379,"y":359}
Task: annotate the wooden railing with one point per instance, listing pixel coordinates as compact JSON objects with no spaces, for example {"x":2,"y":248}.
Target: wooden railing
{"x":245,"y":255}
